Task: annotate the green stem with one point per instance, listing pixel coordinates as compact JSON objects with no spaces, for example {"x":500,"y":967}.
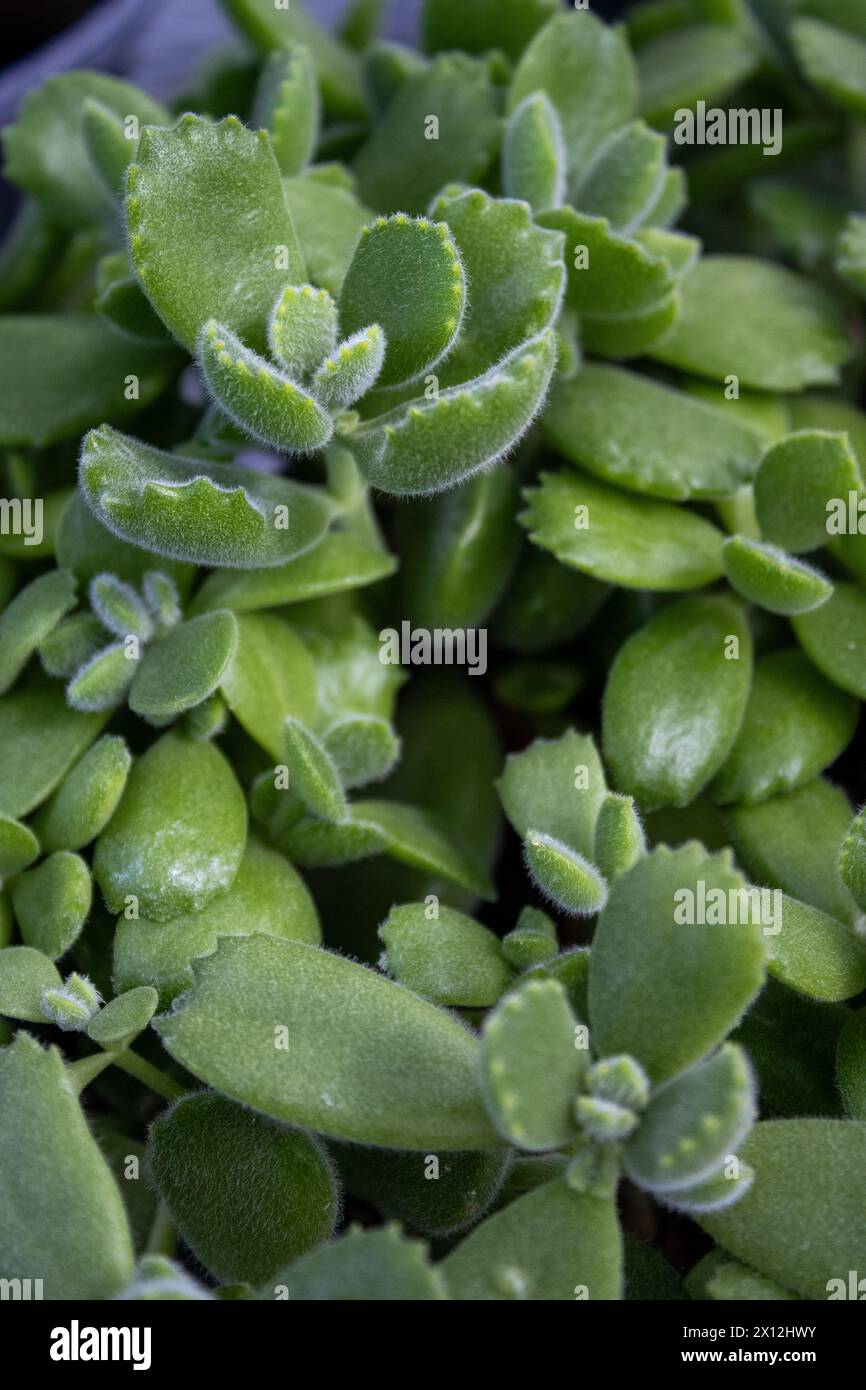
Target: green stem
{"x":85,"y":1069}
{"x":161,"y":1240}
{"x":147,"y":1074}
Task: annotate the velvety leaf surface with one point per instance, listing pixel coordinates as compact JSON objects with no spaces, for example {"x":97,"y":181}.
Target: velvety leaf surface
{"x":587,"y":71}
{"x":851,"y":1065}
{"x":421,"y":839}
{"x":533,"y":153}
{"x":218,"y":514}
{"x":531,"y":1066}
{"x":398,"y":1071}
{"x":312,"y":774}
{"x":433,"y":1199}
{"x":29,"y":618}
{"x":269,"y":28}
{"x":178,"y":835}
{"x":675,"y":699}
{"x":302,"y":328}
{"x":63,"y":373}
{"x":363,"y":1266}
{"x":626,"y":177}
{"x":18,"y":846}
{"x":641,"y":435}
{"x":816,"y":954}
{"x":701,"y":62}
{"x":63,"y":1214}
{"x":207,"y":219}
{"x":769,"y":326}
{"x":611,"y":277}
{"x":261,"y":401}
{"x":664,"y":990}
{"x":546,"y":1246}
{"x":52,"y":902}
{"x":287,"y":106}
{"x":801,"y":1223}
{"x":773,"y":579}
{"x":327,"y":221}
{"x":267,"y":895}
{"x":88,"y":548}
{"x":449,"y":959}
{"x":563,"y":876}
{"x":41,"y":738}
{"x":693,"y":1122}
{"x":795,"y":482}
{"x":399,"y":169}
{"x":247,"y":1194}
{"x":555,"y":786}
{"x":834,"y":638}
{"x":270,"y":678}
{"x":792,"y":842}
{"x":352,"y":369}
{"x":505,"y":24}
{"x":25,"y":974}
{"x":406,"y":275}
{"x":425,"y":447}
{"x":184,"y":667}
{"x":796,"y":724}
{"x":45,"y":149}
{"x":608,"y":535}
{"x":515,"y":272}
{"x":124,"y":1017}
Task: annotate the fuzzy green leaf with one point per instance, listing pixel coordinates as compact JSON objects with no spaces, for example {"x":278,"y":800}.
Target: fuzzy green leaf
{"x":407,"y":276}
{"x":833,"y":60}
{"x":702,"y":61}
{"x":448,"y":959}
{"x":772,"y":578}
{"x":89,"y":380}
{"x":214,"y":514}
{"x":125,"y":1017}
{"x":423,"y":840}
{"x":587,"y":71}
{"x":610,"y":276}
{"x":363,"y":748}
{"x":770,"y":327}
{"x":550,"y":1245}
{"x":425,"y":447}
{"x":815,"y":954}
{"x":18,"y":846}
{"x":102,"y":682}
{"x":177,"y":837}
{"x":834,"y":638}
{"x":270,"y":678}
{"x":184,"y":667}
{"x":715,"y":1193}
{"x":400,"y":168}
{"x":793,"y":842}
{"x":269,"y":28}
{"x":63,"y":1214}
{"x":71,"y":644}
{"x":555,"y":787}
{"x":407,"y":1187}
{"x":41,"y":738}
{"x":328,"y":219}
{"x":28,"y":620}
{"x":25,"y":975}
{"x":123,"y":305}
{"x":638,"y":434}
{"x":119,"y":608}
{"x":287,"y":106}
{"x":352,"y":370}
{"x":852,"y":859}
{"x":626,"y":177}
{"x":363,"y":1266}
{"x":261,"y":401}
{"x":515,"y":271}
{"x":637,"y":542}
{"x":801,"y":1222}
{"x":247,"y":1194}
{"x":532,"y":1065}
{"x":209,"y":229}
{"x":569,"y":880}
{"x":619,"y":835}
{"x":85,"y":546}
{"x":52,"y":902}
{"x":87,"y":797}
{"x":46,"y":152}
{"x":108,"y":146}
{"x":505,"y":24}
{"x":795,"y":483}
{"x":302,"y":328}
{"x":796,"y":724}
{"x":397,"y":1072}
{"x":267,"y":895}
{"x":693,"y":1122}
{"x":533,"y":153}
{"x":312,"y":775}
{"x":675,"y":699}
{"x":686,"y":983}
